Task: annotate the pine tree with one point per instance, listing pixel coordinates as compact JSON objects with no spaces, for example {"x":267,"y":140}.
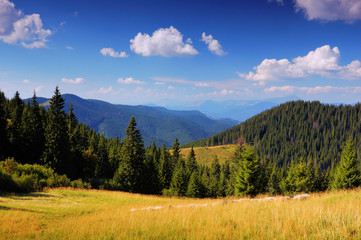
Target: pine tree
{"x":248,"y":180}
{"x":175,"y":153}
{"x":214,"y":177}
{"x":191,"y":162}
{"x":179,"y":183}
{"x":299,"y":178}
{"x":16,"y":107}
{"x":273,"y":182}
{"x":129,"y":175}
{"x":33,"y":132}
{"x":4,"y":143}
{"x":194,"y":186}
{"x":56,"y":151}
{"x":165,"y":168}
{"x":347,"y":174}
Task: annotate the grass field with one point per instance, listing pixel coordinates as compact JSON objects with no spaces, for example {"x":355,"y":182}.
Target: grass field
{"x":205,"y":155}
{"x":92,"y":214}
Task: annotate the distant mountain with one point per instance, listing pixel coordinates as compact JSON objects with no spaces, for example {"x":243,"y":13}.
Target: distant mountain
{"x":238,"y":110}
{"x":310,"y":130}
{"x":155,"y":123}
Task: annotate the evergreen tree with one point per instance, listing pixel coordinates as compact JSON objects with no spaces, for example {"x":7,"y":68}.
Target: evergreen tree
{"x":273,"y":182}
{"x":179,"y":183}
{"x":165,"y":168}
{"x":194,"y":186}
{"x":33,"y":132}
{"x":4,"y":144}
{"x":15,"y":128}
{"x":248,"y":180}
{"x":215,"y":174}
{"x":129,"y":175}
{"x":56,"y":151}
{"x":176,"y":153}
{"x":191,"y":163}
{"x":347,"y":174}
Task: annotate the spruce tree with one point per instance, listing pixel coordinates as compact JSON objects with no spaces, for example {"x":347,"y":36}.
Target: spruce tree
{"x":214,"y":177}
{"x":179,"y":183}
{"x":165,"y":168}
{"x":191,"y":162}
{"x":248,"y":179}
{"x":175,"y":153}
{"x":4,"y":144}
{"x":56,"y":151}
{"x":347,"y":174}
{"x":15,"y":128}
{"x":129,"y":175}
{"x":194,"y":186}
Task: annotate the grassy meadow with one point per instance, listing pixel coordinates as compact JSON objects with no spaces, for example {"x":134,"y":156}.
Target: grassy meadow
{"x":94,"y":214}
{"x":205,"y":155}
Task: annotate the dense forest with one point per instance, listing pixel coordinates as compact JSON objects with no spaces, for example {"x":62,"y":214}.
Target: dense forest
{"x":294,"y":130}
{"x":50,"y":148}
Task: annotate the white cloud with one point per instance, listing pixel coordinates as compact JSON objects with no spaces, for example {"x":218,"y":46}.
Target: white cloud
{"x":165,"y":42}
{"x":225,"y":92}
{"x":213,"y":45}
{"x":69,"y":47}
{"x":110,"y":52}
{"x":103,"y":90}
{"x":129,"y":80}
{"x":312,"y":90}
{"x":38,"y":88}
{"x":171,"y":87}
{"x":330,"y":10}
{"x":73,"y":81}
{"x":180,"y":81}
{"x":324,"y":62}
{"x":159,"y":83}
{"x":26,"y":81}
{"x":17,"y":28}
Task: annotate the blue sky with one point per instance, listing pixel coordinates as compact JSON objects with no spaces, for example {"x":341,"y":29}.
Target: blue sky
{"x":175,"y":52}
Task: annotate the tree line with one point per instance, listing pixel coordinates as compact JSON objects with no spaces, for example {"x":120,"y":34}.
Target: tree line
{"x":47,"y":147}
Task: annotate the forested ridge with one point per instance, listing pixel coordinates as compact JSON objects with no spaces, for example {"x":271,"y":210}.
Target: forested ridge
{"x":294,"y":130}
{"x":51,"y":148}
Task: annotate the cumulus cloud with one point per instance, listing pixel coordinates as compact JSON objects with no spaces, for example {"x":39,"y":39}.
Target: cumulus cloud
{"x":330,"y":10}
{"x":225,"y":92}
{"x":170,"y":87}
{"x":312,"y":90}
{"x":73,"y":81}
{"x":69,"y":47}
{"x":18,"y":28}
{"x":129,"y":80}
{"x":213,"y":45}
{"x":110,"y":52}
{"x":102,"y":90}
{"x":165,"y":42}
{"x":324,"y":62}
{"x":26,"y":81}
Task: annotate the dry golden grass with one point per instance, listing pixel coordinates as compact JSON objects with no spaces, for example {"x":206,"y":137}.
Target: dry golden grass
{"x":92,"y":214}
{"x":205,"y":155}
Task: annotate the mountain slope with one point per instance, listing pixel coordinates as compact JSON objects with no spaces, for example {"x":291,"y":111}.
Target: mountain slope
{"x":311,"y":130}
{"x":155,"y":123}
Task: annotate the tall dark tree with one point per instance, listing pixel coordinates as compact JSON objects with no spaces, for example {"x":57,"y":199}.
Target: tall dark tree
{"x":191,"y":162}
{"x":56,"y":151}
{"x":4,"y":143}
{"x":129,"y":175}
{"x":33,"y":131}
{"x":248,"y":180}
{"x":347,"y":173}
{"x":165,"y":168}
{"x":176,"y":152}
{"x":16,"y":107}
{"x":179,"y":183}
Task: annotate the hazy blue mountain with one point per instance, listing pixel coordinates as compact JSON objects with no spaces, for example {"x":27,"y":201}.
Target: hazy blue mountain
{"x":155,"y":123}
{"x":238,"y":110}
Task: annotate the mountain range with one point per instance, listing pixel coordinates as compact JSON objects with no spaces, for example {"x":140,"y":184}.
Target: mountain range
{"x":155,"y":123}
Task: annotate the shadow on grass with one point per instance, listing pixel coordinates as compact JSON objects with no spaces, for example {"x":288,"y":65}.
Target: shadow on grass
{"x":18,"y":209}
{"x":25,"y":196}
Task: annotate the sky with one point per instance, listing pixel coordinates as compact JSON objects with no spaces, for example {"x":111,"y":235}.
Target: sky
{"x":175,"y":52}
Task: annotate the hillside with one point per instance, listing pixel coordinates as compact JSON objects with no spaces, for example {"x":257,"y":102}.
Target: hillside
{"x":205,"y":155}
{"x":155,"y":123}
{"x":310,"y":130}
{"x":93,"y":214}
